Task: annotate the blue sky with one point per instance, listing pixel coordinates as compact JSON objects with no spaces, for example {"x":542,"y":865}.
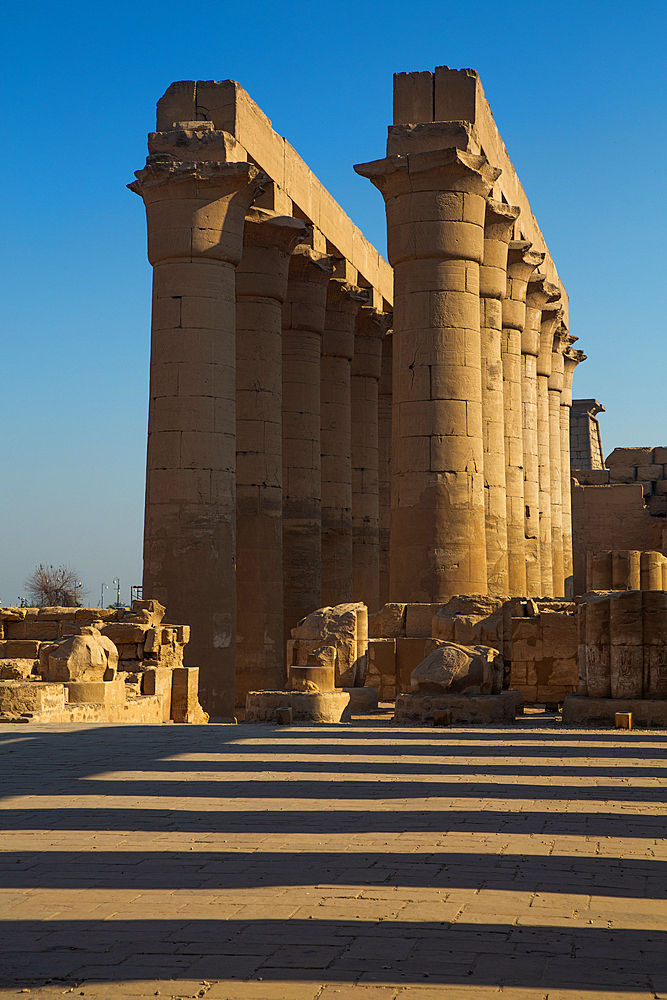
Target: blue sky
{"x":578,"y":92}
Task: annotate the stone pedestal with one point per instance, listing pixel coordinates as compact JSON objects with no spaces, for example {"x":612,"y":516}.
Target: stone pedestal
{"x":261,"y":287}
{"x":498,"y":225}
{"x":319,"y":706}
{"x":303,"y":325}
{"x":343,"y":303}
{"x":197,"y":189}
{"x":521,"y":262}
{"x":435,"y":227}
{"x":369,"y":332}
{"x":384,"y":462}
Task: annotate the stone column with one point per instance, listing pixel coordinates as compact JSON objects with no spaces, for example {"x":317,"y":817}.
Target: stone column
{"x":530,"y":344}
{"x":498,"y":224}
{"x":343,"y":303}
{"x":571,"y":359}
{"x":366,"y":366}
{"x":261,"y":287}
{"x":521,"y":262}
{"x":384,"y":462}
{"x":540,"y":293}
{"x":303,"y":325}
{"x":196,"y":190}
{"x":555,"y":387}
{"x":435,"y":230}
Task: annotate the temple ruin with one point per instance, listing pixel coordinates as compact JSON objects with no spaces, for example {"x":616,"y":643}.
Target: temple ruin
{"x":326,"y":427}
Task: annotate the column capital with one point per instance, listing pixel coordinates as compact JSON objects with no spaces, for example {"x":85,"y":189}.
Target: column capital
{"x":310,"y":265}
{"x":571,"y":358}
{"x":344,"y":296}
{"x":499,"y":220}
{"x":268,"y":242}
{"x":551,"y":318}
{"x":449,"y":169}
{"x":522,"y":260}
{"x":540,"y":292}
{"x":196,"y":207}
{"x":274,"y":232}
{"x":343,"y":303}
{"x":373,"y":322}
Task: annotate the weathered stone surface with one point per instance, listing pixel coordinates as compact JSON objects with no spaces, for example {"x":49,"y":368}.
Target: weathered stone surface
{"x":320,"y":706}
{"x":582,"y":711}
{"x":464,"y":670}
{"x":388,"y":622}
{"x":421,"y":708}
{"x":344,"y":627}
{"x":89,"y":656}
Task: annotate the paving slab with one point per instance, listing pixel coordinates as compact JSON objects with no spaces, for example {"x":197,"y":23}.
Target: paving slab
{"x":339,"y":862}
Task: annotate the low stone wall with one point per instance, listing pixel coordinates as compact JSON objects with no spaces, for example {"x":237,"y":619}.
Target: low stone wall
{"x":537,"y":640}
{"x":544,"y":655}
{"x":150,"y":685}
{"x":623,"y":645}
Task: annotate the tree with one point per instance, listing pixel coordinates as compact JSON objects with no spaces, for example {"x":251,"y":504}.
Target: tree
{"x":54,"y":586}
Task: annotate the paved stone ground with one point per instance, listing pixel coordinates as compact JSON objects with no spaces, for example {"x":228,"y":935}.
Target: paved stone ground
{"x":363,"y":862}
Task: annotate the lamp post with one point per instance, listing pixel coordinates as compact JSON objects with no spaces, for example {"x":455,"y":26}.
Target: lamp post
{"x":104,"y":587}
{"x":77,"y":585}
{"x":117,"y":583}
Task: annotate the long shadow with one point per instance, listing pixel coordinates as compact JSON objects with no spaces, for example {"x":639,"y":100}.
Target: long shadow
{"x":217,"y":871}
{"x":345,"y":789}
{"x":290,"y":821}
{"x":327,"y":951}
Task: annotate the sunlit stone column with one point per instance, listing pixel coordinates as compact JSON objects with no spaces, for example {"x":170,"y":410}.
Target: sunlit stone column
{"x":197,"y":189}
{"x":261,"y":287}
{"x":498,"y":224}
{"x":303,"y":325}
{"x":540,"y":293}
{"x":521,"y":262}
{"x":384,"y":462}
{"x":435,"y":228}
{"x":366,"y":366}
{"x":571,"y":358}
{"x":343,"y":303}
{"x":551,"y":319}
{"x":530,"y":343}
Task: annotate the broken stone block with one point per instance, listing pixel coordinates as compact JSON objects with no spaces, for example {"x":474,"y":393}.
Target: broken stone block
{"x":317,"y":674}
{"x":455,"y":669}
{"x":88,"y":656}
{"x":284,"y":716}
{"x":185,"y":705}
{"x":148,"y":613}
{"x":388,"y":622}
{"x":345,"y":627}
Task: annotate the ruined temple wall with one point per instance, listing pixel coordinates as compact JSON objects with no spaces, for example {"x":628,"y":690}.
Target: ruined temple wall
{"x":272,"y":405}
{"x":610,"y":517}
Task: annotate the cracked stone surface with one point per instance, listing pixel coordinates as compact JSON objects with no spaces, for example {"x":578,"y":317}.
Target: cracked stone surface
{"x":362,"y":862}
